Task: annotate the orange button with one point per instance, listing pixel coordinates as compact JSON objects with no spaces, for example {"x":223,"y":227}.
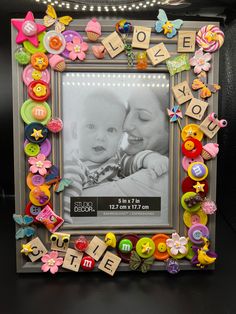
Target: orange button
{"x":55,"y":42}
{"x":161,"y":252}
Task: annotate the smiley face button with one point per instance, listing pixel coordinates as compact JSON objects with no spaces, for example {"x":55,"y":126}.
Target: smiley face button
{"x":193,"y":131}
{"x":198,"y":171}
{"x":161,"y":252}
{"x":191,"y":148}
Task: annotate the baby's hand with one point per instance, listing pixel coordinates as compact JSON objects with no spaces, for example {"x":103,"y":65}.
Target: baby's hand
{"x":156,"y":162}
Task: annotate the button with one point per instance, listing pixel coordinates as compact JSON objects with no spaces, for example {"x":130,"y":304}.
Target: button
{"x":55,"y":125}
{"x":192,"y":148}
{"x":191,"y":219}
{"x":191,"y":252}
{"x":36,"y":132}
{"x":193,"y":131}
{"x":161,"y":252}
{"x":31,"y":74}
{"x":32,"y":210}
{"x":197,"y":232}
{"x":145,"y":247}
{"x":125,"y":246}
{"x":45,"y":147}
{"x":37,"y":180}
{"x":198,"y":171}
{"x":30,"y":183}
{"x":177,"y":246}
{"x":22,"y":56}
{"x":188,"y":161}
{"x":69,"y":35}
{"x":31,"y":48}
{"x":188,"y":186}
{"x":31,"y":149}
{"x":134,"y":239}
{"x":188,"y":200}
{"x":39,"y":112}
{"x":38,"y":90}
{"x":54,"y":42}
{"x":39,"y":61}
{"x":40,"y":196}
{"x":87,"y":263}
{"x":27,"y":108}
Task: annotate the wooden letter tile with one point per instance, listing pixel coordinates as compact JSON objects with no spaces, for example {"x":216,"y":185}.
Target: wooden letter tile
{"x":113,"y":44}
{"x":182,"y":92}
{"x":109,"y":263}
{"x":158,"y":53}
{"x":209,"y":128}
{"x":72,"y":260}
{"x":96,"y":248}
{"x":196,"y":109}
{"x":141,"y":37}
{"x":61,"y":242}
{"x":186,"y":41}
{"x":38,"y":248}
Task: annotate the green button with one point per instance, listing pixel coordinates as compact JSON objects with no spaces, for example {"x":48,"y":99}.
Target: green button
{"x":125,"y":246}
{"x":194,"y":208}
{"x":27,"y":108}
{"x":191,"y":253}
{"x":145,"y":247}
{"x":31,"y":48}
{"x":32,"y":149}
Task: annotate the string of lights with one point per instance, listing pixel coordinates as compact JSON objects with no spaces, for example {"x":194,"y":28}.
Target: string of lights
{"x":78,"y":5}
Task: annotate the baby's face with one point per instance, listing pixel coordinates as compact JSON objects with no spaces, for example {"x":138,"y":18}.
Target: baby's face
{"x":100,"y":128}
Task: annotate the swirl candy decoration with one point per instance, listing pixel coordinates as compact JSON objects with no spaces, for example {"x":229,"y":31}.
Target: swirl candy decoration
{"x":210,"y":38}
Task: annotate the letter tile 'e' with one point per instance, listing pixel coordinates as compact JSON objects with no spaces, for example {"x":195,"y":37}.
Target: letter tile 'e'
{"x":96,"y":248}
{"x":158,"y":53}
{"x":60,"y":241}
{"x":109,"y":263}
{"x":113,"y":44}
{"x":209,"y":128}
{"x":38,"y":248}
{"x":141,"y":37}
{"x":72,"y":260}
{"x":182,"y":92}
{"x":186,"y":41}
{"x":196,"y":108}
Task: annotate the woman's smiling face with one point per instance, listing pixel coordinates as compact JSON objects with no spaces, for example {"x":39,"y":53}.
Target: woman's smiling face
{"x":145,"y":124}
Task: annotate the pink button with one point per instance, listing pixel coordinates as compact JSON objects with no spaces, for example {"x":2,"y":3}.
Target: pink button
{"x":187,"y":161}
{"x":29,"y":28}
{"x":30,"y":74}
{"x":195,"y":219}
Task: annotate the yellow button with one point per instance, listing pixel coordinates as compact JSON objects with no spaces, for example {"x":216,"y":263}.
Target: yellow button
{"x":145,"y":247}
{"x":189,"y":145}
{"x":191,"y":130}
{"x":40,"y":196}
{"x":161,"y":247}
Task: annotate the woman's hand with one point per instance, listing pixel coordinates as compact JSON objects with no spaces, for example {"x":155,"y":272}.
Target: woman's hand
{"x":156,"y":162}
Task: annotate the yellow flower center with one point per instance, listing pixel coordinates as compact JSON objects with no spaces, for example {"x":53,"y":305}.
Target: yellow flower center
{"x":51,"y":262}
{"x":39,"y":164}
{"x":77,"y":48}
{"x":40,"y":90}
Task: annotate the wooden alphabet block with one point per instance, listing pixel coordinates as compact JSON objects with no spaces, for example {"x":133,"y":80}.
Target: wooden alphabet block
{"x":141,"y":37}
{"x":113,"y":44}
{"x":209,"y":128}
{"x":109,"y":263}
{"x":38,"y":248}
{"x":196,"y":108}
{"x":60,"y":241}
{"x":182,"y":92}
{"x":158,"y":53}
{"x":186,"y":41}
{"x":96,"y":248}
{"x":72,"y":260}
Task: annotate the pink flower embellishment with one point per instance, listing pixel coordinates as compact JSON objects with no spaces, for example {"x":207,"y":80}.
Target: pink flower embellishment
{"x":77,"y":48}
{"x":177,"y":244}
{"x":51,"y":262}
{"x":200,"y":61}
{"x":39,"y":164}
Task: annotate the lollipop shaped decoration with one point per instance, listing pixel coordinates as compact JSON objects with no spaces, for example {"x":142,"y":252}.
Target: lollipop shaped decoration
{"x":123,"y":28}
{"x":169,"y":27}
{"x":210,"y":38}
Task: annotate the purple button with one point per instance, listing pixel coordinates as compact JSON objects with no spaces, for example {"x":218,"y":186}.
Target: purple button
{"x":198,"y":170}
{"x":69,"y":35}
{"x":186,"y":162}
{"x":196,"y":232}
{"x":37,"y":180}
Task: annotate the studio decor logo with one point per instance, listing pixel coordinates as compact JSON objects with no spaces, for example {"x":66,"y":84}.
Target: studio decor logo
{"x":83,"y":207}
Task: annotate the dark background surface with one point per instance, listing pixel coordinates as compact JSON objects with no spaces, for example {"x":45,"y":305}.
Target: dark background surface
{"x":188,"y":292}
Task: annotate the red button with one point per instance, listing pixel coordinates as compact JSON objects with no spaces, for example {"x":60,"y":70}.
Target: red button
{"x":188,"y":183}
{"x":87,"y":263}
{"x":38,"y":90}
{"x":192,"y":148}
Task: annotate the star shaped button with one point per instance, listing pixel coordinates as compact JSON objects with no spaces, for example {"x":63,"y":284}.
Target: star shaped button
{"x":28,"y":29}
{"x":36,"y":132}
{"x":199,"y":187}
{"x":26,"y":249}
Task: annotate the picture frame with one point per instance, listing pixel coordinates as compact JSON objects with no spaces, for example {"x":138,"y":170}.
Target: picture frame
{"x":115,"y":65}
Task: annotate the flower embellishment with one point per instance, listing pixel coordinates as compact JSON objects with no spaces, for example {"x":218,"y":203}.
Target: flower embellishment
{"x":51,"y":262}
{"x":40,"y":90}
{"x":77,"y":49}
{"x":39,"y":164}
{"x":177,"y":244}
{"x":200,"y":61}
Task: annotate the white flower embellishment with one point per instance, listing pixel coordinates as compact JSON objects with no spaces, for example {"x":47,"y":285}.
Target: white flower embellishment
{"x":177,"y":244}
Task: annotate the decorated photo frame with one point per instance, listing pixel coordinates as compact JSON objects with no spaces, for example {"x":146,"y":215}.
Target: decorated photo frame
{"x":68,"y":83}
